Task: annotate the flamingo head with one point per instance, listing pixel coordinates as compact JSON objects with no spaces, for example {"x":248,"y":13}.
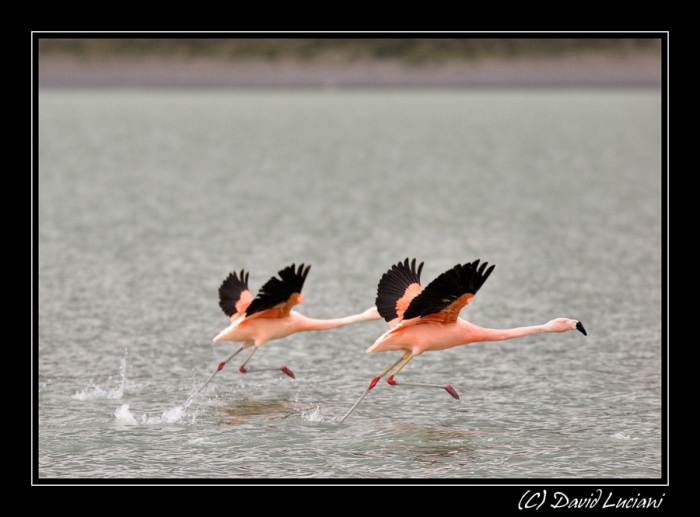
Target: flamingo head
{"x":566,"y":324}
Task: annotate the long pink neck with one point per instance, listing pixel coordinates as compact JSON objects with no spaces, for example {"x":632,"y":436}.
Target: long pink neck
{"x":475,"y":333}
{"x":314,"y":324}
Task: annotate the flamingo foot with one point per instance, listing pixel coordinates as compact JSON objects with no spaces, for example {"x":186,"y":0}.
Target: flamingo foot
{"x":373,"y":383}
{"x":449,"y":389}
{"x":221,"y":365}
{"x":390,"y":380}
{"x":287,"y":371}
{"x":242,"y":369}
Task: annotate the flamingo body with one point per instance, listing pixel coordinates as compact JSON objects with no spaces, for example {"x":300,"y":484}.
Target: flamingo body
{"x":257,"y":331}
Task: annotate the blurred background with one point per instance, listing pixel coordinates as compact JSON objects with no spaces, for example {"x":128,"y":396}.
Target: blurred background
{"x":348,"y":62}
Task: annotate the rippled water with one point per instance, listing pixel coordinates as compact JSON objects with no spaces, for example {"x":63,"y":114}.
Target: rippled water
{"x":147,"y":200}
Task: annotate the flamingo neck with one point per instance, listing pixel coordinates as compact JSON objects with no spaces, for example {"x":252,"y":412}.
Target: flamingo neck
{"x":475,"y":333}
{"x":315,"y":324}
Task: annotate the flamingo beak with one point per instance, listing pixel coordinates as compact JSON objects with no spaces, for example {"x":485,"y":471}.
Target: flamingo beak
{"x":580,"y":328}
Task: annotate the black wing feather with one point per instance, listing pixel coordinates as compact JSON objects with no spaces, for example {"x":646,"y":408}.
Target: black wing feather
{"x":230,"y":291}
{"x":392,"y":286}
{"x":276,"y":291}
{"x":447,"y":287}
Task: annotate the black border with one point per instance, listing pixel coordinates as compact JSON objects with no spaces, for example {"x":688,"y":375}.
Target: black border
{"x":534,"y":494}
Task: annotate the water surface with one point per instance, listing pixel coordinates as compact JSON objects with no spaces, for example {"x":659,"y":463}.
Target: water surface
{"x":148,"y":199}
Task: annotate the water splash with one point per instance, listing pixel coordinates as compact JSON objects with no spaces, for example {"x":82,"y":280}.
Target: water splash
{"x":313,"y":416}
{"x":91,"y":392}
{"x":94,"y":391}
{"x":622,"y":436}
{"x":124,"y":416}
{"x":170,"y":416}
{"x":173,"y":415}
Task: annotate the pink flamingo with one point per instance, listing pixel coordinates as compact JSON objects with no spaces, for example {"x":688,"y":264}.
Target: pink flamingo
{"x":268,"y":316}
{"x":428,"y":319}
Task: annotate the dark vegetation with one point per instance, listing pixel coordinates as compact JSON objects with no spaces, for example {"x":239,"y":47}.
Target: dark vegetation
{"x":344,"y":50}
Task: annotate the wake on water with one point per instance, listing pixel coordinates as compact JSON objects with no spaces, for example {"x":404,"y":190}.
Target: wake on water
{"x":125,"y":416}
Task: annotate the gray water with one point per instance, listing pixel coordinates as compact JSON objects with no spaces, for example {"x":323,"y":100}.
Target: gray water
{"x":148,"y":199}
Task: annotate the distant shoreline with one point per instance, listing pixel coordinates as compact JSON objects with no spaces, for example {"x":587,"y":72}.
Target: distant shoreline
{"x":588,"y":71}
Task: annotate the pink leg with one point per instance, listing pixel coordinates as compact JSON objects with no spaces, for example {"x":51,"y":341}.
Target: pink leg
{"x":243,"y":369}
{"x":447,"y":387}
{"x":218,"y":369}
{"x":372,"y":384}
{"x":390,"y":380}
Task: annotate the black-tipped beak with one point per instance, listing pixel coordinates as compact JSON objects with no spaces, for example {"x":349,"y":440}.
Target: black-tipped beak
{"x":580,"y":328}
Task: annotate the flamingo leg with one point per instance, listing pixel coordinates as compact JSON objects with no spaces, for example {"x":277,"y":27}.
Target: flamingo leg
{"x":372,"y":384}
{"x":218,"y":368}
{"x":404,"y":363}
{"x":447,"y":387}
{"x":243,"y":369}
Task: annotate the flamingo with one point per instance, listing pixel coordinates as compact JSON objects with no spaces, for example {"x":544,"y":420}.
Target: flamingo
{"x":428,"y":319}
{"x":268,"y":316}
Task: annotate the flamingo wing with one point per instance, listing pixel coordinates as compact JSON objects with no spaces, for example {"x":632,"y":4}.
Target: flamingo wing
{"x":234,"y":295}
{"x":396,"y":290}
{"x":444,"y":297}
{"x":277,"y":297}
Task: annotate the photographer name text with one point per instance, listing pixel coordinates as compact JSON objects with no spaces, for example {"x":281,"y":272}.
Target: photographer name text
{"x":534,"y":500}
